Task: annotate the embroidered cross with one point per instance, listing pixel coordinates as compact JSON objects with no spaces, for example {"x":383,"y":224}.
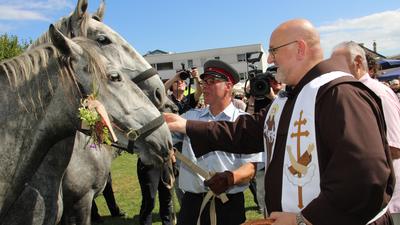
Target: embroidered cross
{"x":298,"y":135}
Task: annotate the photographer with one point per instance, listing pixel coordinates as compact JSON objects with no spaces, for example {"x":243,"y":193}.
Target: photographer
{"x":177,"y":85}
{"x":262,"y":90}
{"x":265,"y":90}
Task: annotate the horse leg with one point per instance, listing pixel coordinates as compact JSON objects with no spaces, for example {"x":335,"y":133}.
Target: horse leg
{"x":29,"y":209}
{"x":48,"y":177}
{"x":83,"y":209}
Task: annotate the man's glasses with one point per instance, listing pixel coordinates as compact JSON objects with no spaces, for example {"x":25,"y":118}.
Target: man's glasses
{"x":273,"y":51}
{"x":212,"y":81}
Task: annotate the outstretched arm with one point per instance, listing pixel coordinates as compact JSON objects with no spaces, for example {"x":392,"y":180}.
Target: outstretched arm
{"x":175,"y":123}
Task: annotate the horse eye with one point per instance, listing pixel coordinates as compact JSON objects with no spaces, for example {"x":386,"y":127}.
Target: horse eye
{"x":114,"y":77}
{"x":103,"y":40}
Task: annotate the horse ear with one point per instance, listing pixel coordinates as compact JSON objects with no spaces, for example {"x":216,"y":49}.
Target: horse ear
{"x":77,"y":16}
{"x":80,"y":9}
{"x":99,"y":14}
{"x":64,"y":45}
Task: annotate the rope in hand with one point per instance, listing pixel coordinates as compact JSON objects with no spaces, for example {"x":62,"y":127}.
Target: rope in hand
{"x":210,"y":195}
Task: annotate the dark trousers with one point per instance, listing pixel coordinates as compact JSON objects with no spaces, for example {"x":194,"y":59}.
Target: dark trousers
{"x":230,"y":213}
{"x":253,"y":189}
{"x":150,"y":180}
{"x":108,"y":194}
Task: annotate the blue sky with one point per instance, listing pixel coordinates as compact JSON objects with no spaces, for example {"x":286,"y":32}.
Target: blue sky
{"x":179,"y":26}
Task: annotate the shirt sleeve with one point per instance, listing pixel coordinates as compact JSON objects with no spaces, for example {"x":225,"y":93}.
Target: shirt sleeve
{"x":243,"y":136}
{"x":353,"y":158}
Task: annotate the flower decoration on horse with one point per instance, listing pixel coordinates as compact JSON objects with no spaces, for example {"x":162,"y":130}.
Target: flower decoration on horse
{"x":95,"y":119}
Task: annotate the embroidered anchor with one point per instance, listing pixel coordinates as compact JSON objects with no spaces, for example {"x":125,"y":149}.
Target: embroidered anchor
{"x":298,"y":135}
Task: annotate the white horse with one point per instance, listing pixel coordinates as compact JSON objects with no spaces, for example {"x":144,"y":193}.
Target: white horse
{"x":84,"y":179}
{"x":48,"y":83}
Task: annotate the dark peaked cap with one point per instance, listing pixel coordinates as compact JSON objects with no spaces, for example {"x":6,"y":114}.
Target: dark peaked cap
{"x":220,"y":69}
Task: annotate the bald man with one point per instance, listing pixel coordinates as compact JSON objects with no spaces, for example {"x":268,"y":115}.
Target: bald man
{"x":328,"y":161}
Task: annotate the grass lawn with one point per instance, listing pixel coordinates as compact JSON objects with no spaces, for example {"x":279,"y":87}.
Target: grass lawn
{"x":127,"y":192}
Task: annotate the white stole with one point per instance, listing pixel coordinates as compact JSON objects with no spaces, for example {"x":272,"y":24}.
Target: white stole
{"x":300,"y":183}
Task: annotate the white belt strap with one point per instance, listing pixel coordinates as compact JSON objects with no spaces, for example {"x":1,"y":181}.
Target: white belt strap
{"x":210,"y":195}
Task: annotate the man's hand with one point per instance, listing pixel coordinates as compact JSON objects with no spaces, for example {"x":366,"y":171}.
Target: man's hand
{"x":285,"y":218}
{"x":175,"y":122}
{"x":195,"y":73}
{"x":220,"y":182}
{"x":271,"y":94}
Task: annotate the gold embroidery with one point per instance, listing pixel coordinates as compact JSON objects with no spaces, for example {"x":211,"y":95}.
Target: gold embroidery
{"x":298,"y":135}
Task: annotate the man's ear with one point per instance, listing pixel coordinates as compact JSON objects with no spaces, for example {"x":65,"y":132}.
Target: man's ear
{"x":64,"y":45}
{"x":358,"y":60}
{"x":301,"y":49}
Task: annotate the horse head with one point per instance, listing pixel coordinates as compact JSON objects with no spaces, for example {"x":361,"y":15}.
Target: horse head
{"x":81,"y":23}
{"x":134,"y":117}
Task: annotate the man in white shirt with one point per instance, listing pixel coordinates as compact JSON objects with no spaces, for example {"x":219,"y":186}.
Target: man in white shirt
{"x":233,"y":171}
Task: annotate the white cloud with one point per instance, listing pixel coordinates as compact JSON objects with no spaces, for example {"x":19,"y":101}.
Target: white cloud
{"x":383,"y":28}
{"x":13,"y":13}
{"x":31,"y":9}
{"x":44,"y":5}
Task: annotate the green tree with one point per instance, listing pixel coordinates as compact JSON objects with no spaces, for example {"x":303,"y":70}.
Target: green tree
{"x":10,"y":46}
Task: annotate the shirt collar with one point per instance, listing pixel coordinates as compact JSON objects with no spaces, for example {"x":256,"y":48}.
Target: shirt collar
{"x":227,"y":112}
{"x":326,"y":66}
{"x":365,"y":77}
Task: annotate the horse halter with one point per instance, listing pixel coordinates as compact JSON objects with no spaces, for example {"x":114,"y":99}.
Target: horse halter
{"x":144,"y":75}
{"x":134,"y":134}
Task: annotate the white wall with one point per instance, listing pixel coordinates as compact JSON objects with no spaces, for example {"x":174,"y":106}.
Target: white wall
{"x":229,"y":55}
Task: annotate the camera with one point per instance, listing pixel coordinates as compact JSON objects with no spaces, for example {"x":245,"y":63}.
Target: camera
{"x":184,"y":74}
{"x":260,"y":84}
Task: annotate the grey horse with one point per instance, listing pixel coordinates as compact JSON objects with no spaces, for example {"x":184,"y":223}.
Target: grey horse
{"x":47,"y":83}
{"x":82,"y":181}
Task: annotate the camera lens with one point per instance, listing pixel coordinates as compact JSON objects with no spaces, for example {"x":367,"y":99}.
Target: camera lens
{"x":184,"y":75}
{"x":259,"y":85}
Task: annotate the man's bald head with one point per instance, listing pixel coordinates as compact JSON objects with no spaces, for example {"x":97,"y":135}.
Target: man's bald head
{"x":298,"y":29}
{"x":294,"y":48}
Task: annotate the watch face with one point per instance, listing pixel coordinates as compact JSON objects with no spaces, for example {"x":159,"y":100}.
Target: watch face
{"x":302,"y":223}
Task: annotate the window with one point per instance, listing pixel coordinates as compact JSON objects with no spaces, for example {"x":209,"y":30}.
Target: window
{"x":165,"y":66}
{"x":241,"y":57}
{"x":190,"y":63}
{"x":153,"y":65}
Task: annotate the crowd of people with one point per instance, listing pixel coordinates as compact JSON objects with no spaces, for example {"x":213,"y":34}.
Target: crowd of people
{"x":321,"y":147}
{"x":329,"y":151}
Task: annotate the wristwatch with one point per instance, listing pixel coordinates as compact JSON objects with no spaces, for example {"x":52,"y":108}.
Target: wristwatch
{"x":300,"y":219}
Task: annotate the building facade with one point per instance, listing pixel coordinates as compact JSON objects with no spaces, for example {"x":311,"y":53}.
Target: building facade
{"x":238,"y":57}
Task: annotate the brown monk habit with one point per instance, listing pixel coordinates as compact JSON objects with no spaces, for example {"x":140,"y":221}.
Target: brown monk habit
{"x":356,"y":174}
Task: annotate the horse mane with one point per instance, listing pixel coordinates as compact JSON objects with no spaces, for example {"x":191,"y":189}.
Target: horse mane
{"x":64,"y":24}
{"x":25,"y":67}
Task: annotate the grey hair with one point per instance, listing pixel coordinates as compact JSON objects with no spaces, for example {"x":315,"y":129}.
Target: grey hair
{"x":354,"y":50}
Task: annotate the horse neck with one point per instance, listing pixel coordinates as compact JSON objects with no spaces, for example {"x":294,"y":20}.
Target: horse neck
{"x":35,"y":115}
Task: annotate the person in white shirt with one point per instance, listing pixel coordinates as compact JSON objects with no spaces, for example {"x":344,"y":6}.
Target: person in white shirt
{"x":233,"y":171}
